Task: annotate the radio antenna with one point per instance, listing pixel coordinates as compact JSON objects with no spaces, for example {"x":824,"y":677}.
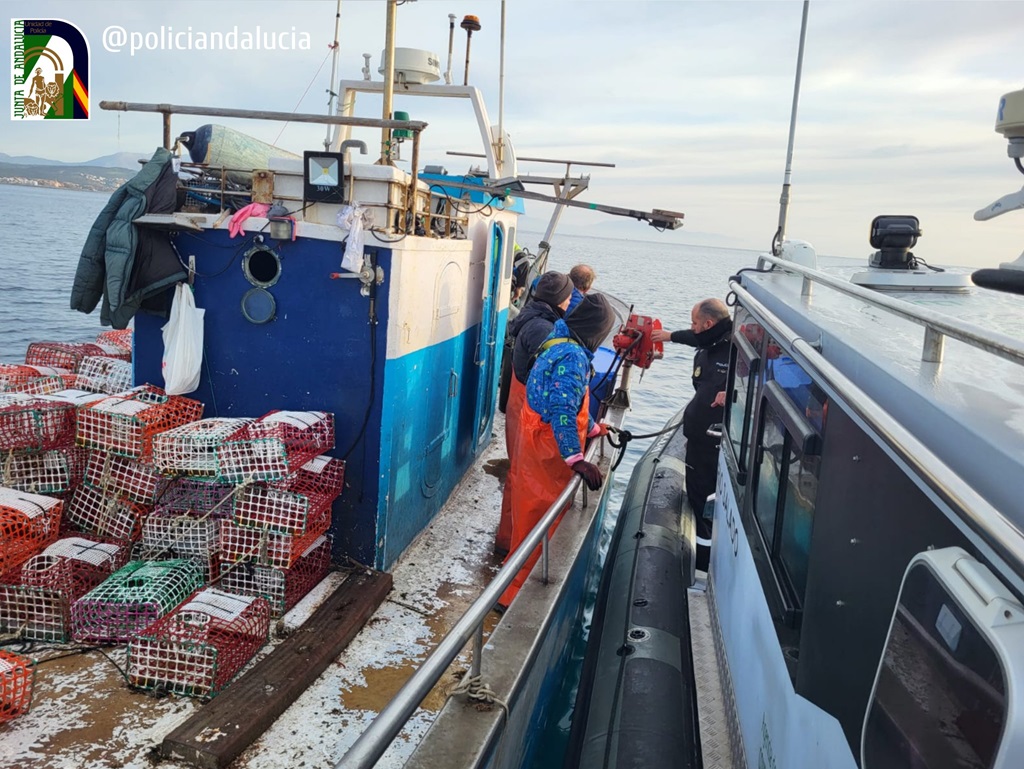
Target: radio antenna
{"x":780,"y":233}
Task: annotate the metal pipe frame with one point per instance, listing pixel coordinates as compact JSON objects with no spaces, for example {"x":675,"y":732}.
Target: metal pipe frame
{"x":1000,"y":534}
{"x":936,"y":324}
{"x":376,"y":738}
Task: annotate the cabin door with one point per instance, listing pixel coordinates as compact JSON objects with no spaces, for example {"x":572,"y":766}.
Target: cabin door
{"x":487,"y":347}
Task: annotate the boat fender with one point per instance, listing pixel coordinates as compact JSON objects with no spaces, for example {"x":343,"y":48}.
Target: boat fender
{"x":1008,"y":280}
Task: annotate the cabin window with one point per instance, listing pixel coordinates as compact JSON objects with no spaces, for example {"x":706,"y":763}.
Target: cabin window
{"x":939,"y":697}
{"x":743,"y":371}
{"x":787,"y":459}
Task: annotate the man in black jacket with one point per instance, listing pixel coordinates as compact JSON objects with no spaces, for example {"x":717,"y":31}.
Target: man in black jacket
{"x":710,"y":331}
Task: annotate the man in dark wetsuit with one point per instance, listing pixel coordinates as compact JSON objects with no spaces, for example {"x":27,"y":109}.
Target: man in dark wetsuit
{"x":710,"y":331}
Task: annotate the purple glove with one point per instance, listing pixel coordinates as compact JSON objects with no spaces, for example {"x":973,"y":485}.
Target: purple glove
{"x":590,"y":474}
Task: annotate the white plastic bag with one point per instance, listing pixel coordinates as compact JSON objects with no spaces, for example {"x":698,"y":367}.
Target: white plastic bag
{"x":183,"y":343}
{"x":354,"y":219}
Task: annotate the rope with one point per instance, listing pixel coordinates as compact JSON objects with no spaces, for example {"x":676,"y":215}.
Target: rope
{"x":625,"y":436}
{"x":475,"y":688}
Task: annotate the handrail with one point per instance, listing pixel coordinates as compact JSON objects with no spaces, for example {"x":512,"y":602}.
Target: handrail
{"x":254,"y":114}
{"x":997,"y":531}
{"x":936,"y":324}
{"x":375,"y":739}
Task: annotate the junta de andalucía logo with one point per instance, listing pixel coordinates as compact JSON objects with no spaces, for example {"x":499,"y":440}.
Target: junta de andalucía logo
{"x":50,"y":69}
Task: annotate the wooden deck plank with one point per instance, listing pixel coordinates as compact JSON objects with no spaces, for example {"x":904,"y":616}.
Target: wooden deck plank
{"x":232,"y":721}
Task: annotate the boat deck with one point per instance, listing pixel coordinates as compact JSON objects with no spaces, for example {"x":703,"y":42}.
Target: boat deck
{"x":84,"y":716}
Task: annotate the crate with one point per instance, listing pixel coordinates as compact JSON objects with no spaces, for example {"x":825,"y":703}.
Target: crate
{"x":29,"y":423}
{"x":65,"y":355}
{"x":16,"y":675}
{"x":114,"y":474}
{"x":34,"y":380}
{"x":194,"y":448}
{"x":44,"y":472}
{"x":283,"y":588}
{"x":28,"y":523}
{"x":276,"y":445}
{"x":199,"y":647}
{"x":37,"y":605}
{"x":131,"y":599}
{"x":203,"y":496}
{"x":287,"y":506}
{"x":119,"y":338}
{"x":264,"y":547}
{"x":168,"y":534}
{"x":105,"y":515}
{"x":126,"y":423}
{"x":102,"y":374}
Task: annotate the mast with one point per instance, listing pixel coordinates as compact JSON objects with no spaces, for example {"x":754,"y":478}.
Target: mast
{"x":334,"y":73}
{"x":389,"y":82}
{"x":780,"y":233}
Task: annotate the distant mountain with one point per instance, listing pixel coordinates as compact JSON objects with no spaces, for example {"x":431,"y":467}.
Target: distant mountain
{"x":64,"y":175}
{"x":127,"y":160}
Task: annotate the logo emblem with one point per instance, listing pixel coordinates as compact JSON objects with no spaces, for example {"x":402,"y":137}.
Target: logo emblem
{"x":50,"y":70}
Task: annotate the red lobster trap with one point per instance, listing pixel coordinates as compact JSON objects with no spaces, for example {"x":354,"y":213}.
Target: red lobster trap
{"x":112,"y":474}
{"x":38,"y":606}
{"x":29,"y":423}
{"x":126,"y":423}
{"x":51,"y":473}
{"x":16,"y":675}
{"x":269,"y":548}
{"x":276,"y":445}
{"x":65,"y":355}
{"x":283,"y":588}
{"x":28,"y":523}
{"x":288,"y":506}
{"x":105,"y":515}
{"x":199,"y":647}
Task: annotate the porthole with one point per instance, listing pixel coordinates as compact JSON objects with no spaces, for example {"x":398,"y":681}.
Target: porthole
{"x":258,"y":306}
{"x":262,"y":267}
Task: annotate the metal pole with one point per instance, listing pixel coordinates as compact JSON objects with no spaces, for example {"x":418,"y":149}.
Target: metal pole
{"x":784,"y":200}
{"x":451,"y":46}
{"x":501,"y":96}
{"x":389,"y":81}
{"x":334,"y":74}
{"x":411,"y":224}
{"x":544,"y":559}
{"x":478,"y":651}
{"x":167,"y":130}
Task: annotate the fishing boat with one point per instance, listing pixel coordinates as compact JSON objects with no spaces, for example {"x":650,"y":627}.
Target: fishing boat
{"x":864,"y":602}
{"x":370,"y":300}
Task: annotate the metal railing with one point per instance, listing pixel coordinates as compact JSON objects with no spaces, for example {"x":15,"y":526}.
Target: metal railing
{"x":936,"y":325}
{"x":378,"y":736}
{"x":999,"y":533}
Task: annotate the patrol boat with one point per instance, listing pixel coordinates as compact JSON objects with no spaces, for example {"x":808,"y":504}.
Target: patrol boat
{"x":864,"y":603}
{"x":401,"y":342}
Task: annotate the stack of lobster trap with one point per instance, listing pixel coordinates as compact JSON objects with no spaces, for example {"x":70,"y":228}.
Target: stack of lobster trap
{"x":125,"y":518}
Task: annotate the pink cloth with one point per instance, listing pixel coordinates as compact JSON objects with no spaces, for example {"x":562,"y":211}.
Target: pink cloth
{"x":253,"y":209}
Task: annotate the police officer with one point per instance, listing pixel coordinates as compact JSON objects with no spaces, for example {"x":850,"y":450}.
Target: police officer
{"x":710,"y":331}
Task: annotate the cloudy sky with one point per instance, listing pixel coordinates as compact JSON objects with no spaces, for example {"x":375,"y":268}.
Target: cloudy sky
{"x":690,"y":100}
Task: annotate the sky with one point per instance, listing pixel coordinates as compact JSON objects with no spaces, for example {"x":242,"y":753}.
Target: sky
{"x":690,"y":100}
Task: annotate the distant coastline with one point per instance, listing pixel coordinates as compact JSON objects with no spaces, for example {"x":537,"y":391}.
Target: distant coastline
{"x":84,"y":178}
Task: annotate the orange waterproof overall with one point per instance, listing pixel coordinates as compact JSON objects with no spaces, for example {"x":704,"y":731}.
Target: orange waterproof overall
{"x":513,"y":410}
{"x":536,"y":478}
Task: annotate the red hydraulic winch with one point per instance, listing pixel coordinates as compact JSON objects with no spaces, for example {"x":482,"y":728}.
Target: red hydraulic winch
{"x":635,"y":341}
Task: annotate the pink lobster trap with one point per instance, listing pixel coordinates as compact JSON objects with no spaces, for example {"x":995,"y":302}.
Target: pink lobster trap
{"x":283,"y":588}
{"x":104,"y":374}
{"x":194,"y":448}
{"x":114,"y":474}
{"x":28,"y":523}
{"x":131,"y":599}
{"x":199,"y":647}
{"x":119,"y":338}
{"x":126,"y":423}
{"x":287,"y":506}
{"x":276,"y":445}
{"x":34,"y":380}
{"x":38,"y":605}
{"x":169,"y":534}
{"x":16,"y":675}
{"x":106,"y":515}
{"x":50,"y":473}
{"x":29,"y":423}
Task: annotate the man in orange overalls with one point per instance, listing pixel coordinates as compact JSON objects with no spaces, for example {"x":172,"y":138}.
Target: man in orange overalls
{"x":555,"y":423}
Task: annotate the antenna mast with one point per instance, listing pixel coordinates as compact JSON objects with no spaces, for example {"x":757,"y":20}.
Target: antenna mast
{"x":334,"y":73}
{"x":501,"y":96}
{"x":780,"y":233}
